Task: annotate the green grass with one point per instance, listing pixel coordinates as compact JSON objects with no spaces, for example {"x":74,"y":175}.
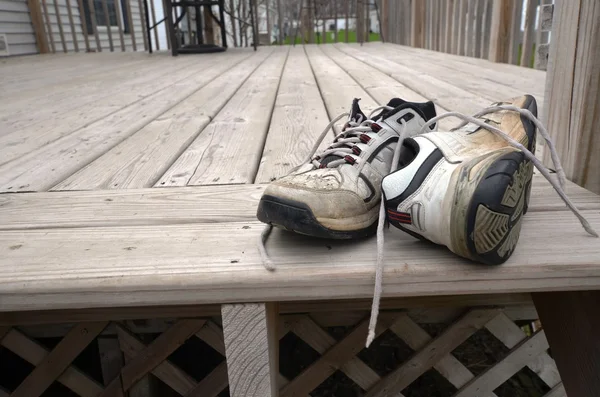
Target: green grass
{"x":329,"y":36}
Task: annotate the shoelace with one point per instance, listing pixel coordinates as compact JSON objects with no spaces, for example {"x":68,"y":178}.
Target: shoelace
{"x":340,"y":147}
{"x":378,"y":289}
{"x":559,"y":187}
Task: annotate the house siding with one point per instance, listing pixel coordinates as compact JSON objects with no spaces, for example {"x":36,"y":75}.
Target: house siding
{"x":15,"y":22}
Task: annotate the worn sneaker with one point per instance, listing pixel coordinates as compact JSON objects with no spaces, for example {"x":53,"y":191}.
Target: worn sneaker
{"x":336,"y":194}
{"x":468,"y":189}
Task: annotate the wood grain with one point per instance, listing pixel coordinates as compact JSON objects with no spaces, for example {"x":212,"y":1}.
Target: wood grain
{"x":529,"y":32}
{"x":501,"y":30}
{"x":516,"y":359}
{"x":430,"y":354}
{"x":219,"y":262}
{"x":574,"y":93}
{"x":252,"y":349}
{"x":174,"y":377}
{"x":230,"y":145}
{"x":336,"y":86}
{"x":298,"y":118}
{"x":59,"y":359}
{"x":141,"y":159}
{"x":571,"y":322}
{"x":42,"y":168}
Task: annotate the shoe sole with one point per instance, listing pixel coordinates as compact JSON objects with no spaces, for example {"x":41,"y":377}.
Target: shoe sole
{"x":487,"y":213}
{"x":493,"y":219}
{"x":298,"y":217}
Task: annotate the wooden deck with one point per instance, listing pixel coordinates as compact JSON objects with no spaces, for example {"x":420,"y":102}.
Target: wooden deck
{"x":143,"y":174}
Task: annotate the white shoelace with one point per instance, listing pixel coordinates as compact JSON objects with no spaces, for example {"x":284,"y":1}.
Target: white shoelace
{"x":559,"y":187}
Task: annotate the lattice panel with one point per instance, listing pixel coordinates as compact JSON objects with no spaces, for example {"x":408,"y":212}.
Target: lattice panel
{"x":433,"y":342}
{"x":428,"y":353}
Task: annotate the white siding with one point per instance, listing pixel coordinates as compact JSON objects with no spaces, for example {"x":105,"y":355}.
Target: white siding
{"x":16,"y":24}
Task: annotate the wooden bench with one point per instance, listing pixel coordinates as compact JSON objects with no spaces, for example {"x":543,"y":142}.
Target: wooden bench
{"x":98,"y":257}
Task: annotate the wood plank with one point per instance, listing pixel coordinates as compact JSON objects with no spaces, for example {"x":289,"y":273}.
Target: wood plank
{"x":571,"y":322}
{"x":516,"y":359}
{"x":510,"y":334}
{"x":130,"y":207}
{"x":418,"y":23}
{"x":28,"y":134}
{"x":170,"y":374}
{"x":515,"y":32}
{"x":298,"y":118}
{"x":516,"y":306}
{"x":462,"y":23}
{"x":429,"y":355}
{"x":212,"y":384}
{"x":481,"y":91}
{"x":501,"y":30}
{"x":111,"y":358}
{"x":334,"y":358}
{"x":37,"y":23}
{"x":445,"y":94}
{"x":336,"y":87}
{"x":449,"y":30}
{"x":43,"y":168}
{"x":448,"y":366}
{"x":230,"y":145}
{"x":573,"y":83}
{"x":470,"y":32}
{"x":212,"y":335}
{"x":34,"y":353}
{"x":158,"y":351}
{"x":252,"y":349}
{"x":178,"y":264}
{"x":155,"y":353}
{"x":59,"y":359}
{"x":489,"y":75}
{"x":377,"y":84}
{"x":528,"y":33}
{"x":141,"y":159}
{"x":320,"y":340}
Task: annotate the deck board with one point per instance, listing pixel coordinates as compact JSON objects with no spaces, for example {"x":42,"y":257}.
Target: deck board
{"x":337,"y":88}
{"x":298,"y":119}
{"x":220,"y":262}
{"x":237,"y":134}
{"x":51,"y":124}
{"x":379,"y":85}
{"x":113,"y":220}
{"x":141,"y":159}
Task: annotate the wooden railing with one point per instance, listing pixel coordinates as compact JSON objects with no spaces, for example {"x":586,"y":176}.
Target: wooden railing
{"x":63,"y":26}
{"x":509,"y":31}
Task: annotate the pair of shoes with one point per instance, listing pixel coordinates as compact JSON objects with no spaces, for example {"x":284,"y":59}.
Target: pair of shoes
{"x":467,"y":189}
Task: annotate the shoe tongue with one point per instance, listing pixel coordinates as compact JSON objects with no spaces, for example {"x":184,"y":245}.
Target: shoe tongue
{"x":356,"y":114}
{"x":393,"y":103}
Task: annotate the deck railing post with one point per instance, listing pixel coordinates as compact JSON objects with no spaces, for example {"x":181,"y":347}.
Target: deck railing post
{"x":572,"y":100}
{"x":37,"y":21}
{"x":418,"y":24}
{"x":501,"y":28}
{"x":251,"y":348}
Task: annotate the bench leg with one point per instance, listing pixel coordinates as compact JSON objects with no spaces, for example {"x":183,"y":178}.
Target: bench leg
{"x":251,"y":348}
{"x":572,"y":324}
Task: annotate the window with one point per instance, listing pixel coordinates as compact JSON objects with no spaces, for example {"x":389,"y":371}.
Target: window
{"x":113,"y":7}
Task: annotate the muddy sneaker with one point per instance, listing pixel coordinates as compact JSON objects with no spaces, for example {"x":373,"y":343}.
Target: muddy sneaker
{"x":468,"y":189}
{"x":336,"y":194}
